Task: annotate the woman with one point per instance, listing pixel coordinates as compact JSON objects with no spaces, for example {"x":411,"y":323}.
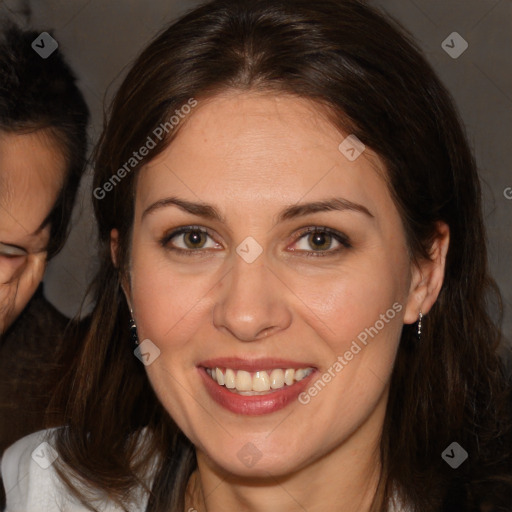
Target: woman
{"x":291,"y":235}
{"x":43,"y":119}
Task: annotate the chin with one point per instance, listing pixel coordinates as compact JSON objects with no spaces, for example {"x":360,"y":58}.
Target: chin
{"x":259,"y":460}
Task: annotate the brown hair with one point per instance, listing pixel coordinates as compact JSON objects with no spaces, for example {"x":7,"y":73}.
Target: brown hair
{"x":375,"y":84}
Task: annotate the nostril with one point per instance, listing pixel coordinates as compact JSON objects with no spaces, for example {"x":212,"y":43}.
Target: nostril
{"x":266,"y":332}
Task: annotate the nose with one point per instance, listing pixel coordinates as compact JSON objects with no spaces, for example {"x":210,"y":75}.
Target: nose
{"x":253,"y":302}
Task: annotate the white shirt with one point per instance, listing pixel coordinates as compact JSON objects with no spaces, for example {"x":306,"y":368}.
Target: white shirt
{"x":32,"y":485}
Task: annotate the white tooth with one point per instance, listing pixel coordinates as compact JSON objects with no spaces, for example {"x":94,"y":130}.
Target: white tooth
{"x":300,"y":374}
{"x":229,"y":378}
{"x":277,"y":379}
{"x":214,"y":374}
{"x":243,"y":381}
{"x":261,"y":381}
{"x":220,"y":376}
{"x":288,"y":376}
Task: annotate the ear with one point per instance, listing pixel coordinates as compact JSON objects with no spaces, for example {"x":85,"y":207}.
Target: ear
{"x":428,"y":276}
{"x":114,"y":251}
{"x":114,"y":246}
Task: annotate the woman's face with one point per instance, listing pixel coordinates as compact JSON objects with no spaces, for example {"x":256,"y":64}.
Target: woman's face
{"x":249,"y":295}
{"x":32,"y":169}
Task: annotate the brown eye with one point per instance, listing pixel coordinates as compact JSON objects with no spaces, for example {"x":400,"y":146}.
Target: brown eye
{"x":318,"y":241}
{"x":189,"y":240}
{"x":195,"y":239}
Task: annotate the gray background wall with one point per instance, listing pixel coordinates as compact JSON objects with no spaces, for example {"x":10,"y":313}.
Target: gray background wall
{"x":100,"y":38}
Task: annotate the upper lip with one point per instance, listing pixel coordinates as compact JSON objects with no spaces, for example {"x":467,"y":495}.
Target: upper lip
{"x":251,"y":365}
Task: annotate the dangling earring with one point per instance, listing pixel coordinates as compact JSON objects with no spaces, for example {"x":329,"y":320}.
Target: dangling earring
{"x":133,"y":330}
{"x":419,"y":326}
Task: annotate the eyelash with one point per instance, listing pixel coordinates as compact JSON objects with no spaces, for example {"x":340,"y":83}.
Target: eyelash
{"x":339,"y":237}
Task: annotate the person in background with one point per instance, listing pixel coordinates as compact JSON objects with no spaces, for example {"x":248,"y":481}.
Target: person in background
{"x":43,"y":145}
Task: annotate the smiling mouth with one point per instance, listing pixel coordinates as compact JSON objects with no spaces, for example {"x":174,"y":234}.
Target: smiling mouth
{"x":261,"y":382}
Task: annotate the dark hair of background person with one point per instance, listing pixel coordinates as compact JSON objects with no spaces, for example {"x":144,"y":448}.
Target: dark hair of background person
{"x":38,"y":94}
{"x":370,"y":78}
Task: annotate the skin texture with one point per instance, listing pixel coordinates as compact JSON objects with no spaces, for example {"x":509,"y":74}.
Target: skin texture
{"x":251,"y":155}
{"x":32,"y":169}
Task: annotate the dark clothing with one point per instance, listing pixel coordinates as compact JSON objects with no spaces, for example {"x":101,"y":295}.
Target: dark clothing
{"x":30,"y":366}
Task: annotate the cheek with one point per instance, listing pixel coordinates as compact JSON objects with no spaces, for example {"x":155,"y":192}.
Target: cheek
{"x":356,"y":315}
{"x":166,"y":302}
{"x":350,"y":300}
{"x":169,"y":309}
{"x":24,"y":294}
{"x":30,"y":279}
{"x":15,"y":295}
{"x":10,"y":268}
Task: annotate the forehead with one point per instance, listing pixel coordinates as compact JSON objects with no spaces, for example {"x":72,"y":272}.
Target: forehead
{"x":33,"y":158}
{"x":32,"y":172}
{"x":246,"y":147}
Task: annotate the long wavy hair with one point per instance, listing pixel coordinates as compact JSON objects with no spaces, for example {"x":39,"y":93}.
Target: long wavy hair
{"x":365,"y":70}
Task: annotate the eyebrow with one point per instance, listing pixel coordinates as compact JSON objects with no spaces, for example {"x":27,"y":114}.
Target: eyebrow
{"x":209,"y":211}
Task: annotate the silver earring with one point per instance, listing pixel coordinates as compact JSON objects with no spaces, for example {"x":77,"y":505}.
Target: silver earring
{"x":419,"y":326}
{"x":133,"y":330}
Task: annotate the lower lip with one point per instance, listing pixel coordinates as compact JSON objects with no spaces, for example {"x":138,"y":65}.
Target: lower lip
{"x":254,"y":405}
